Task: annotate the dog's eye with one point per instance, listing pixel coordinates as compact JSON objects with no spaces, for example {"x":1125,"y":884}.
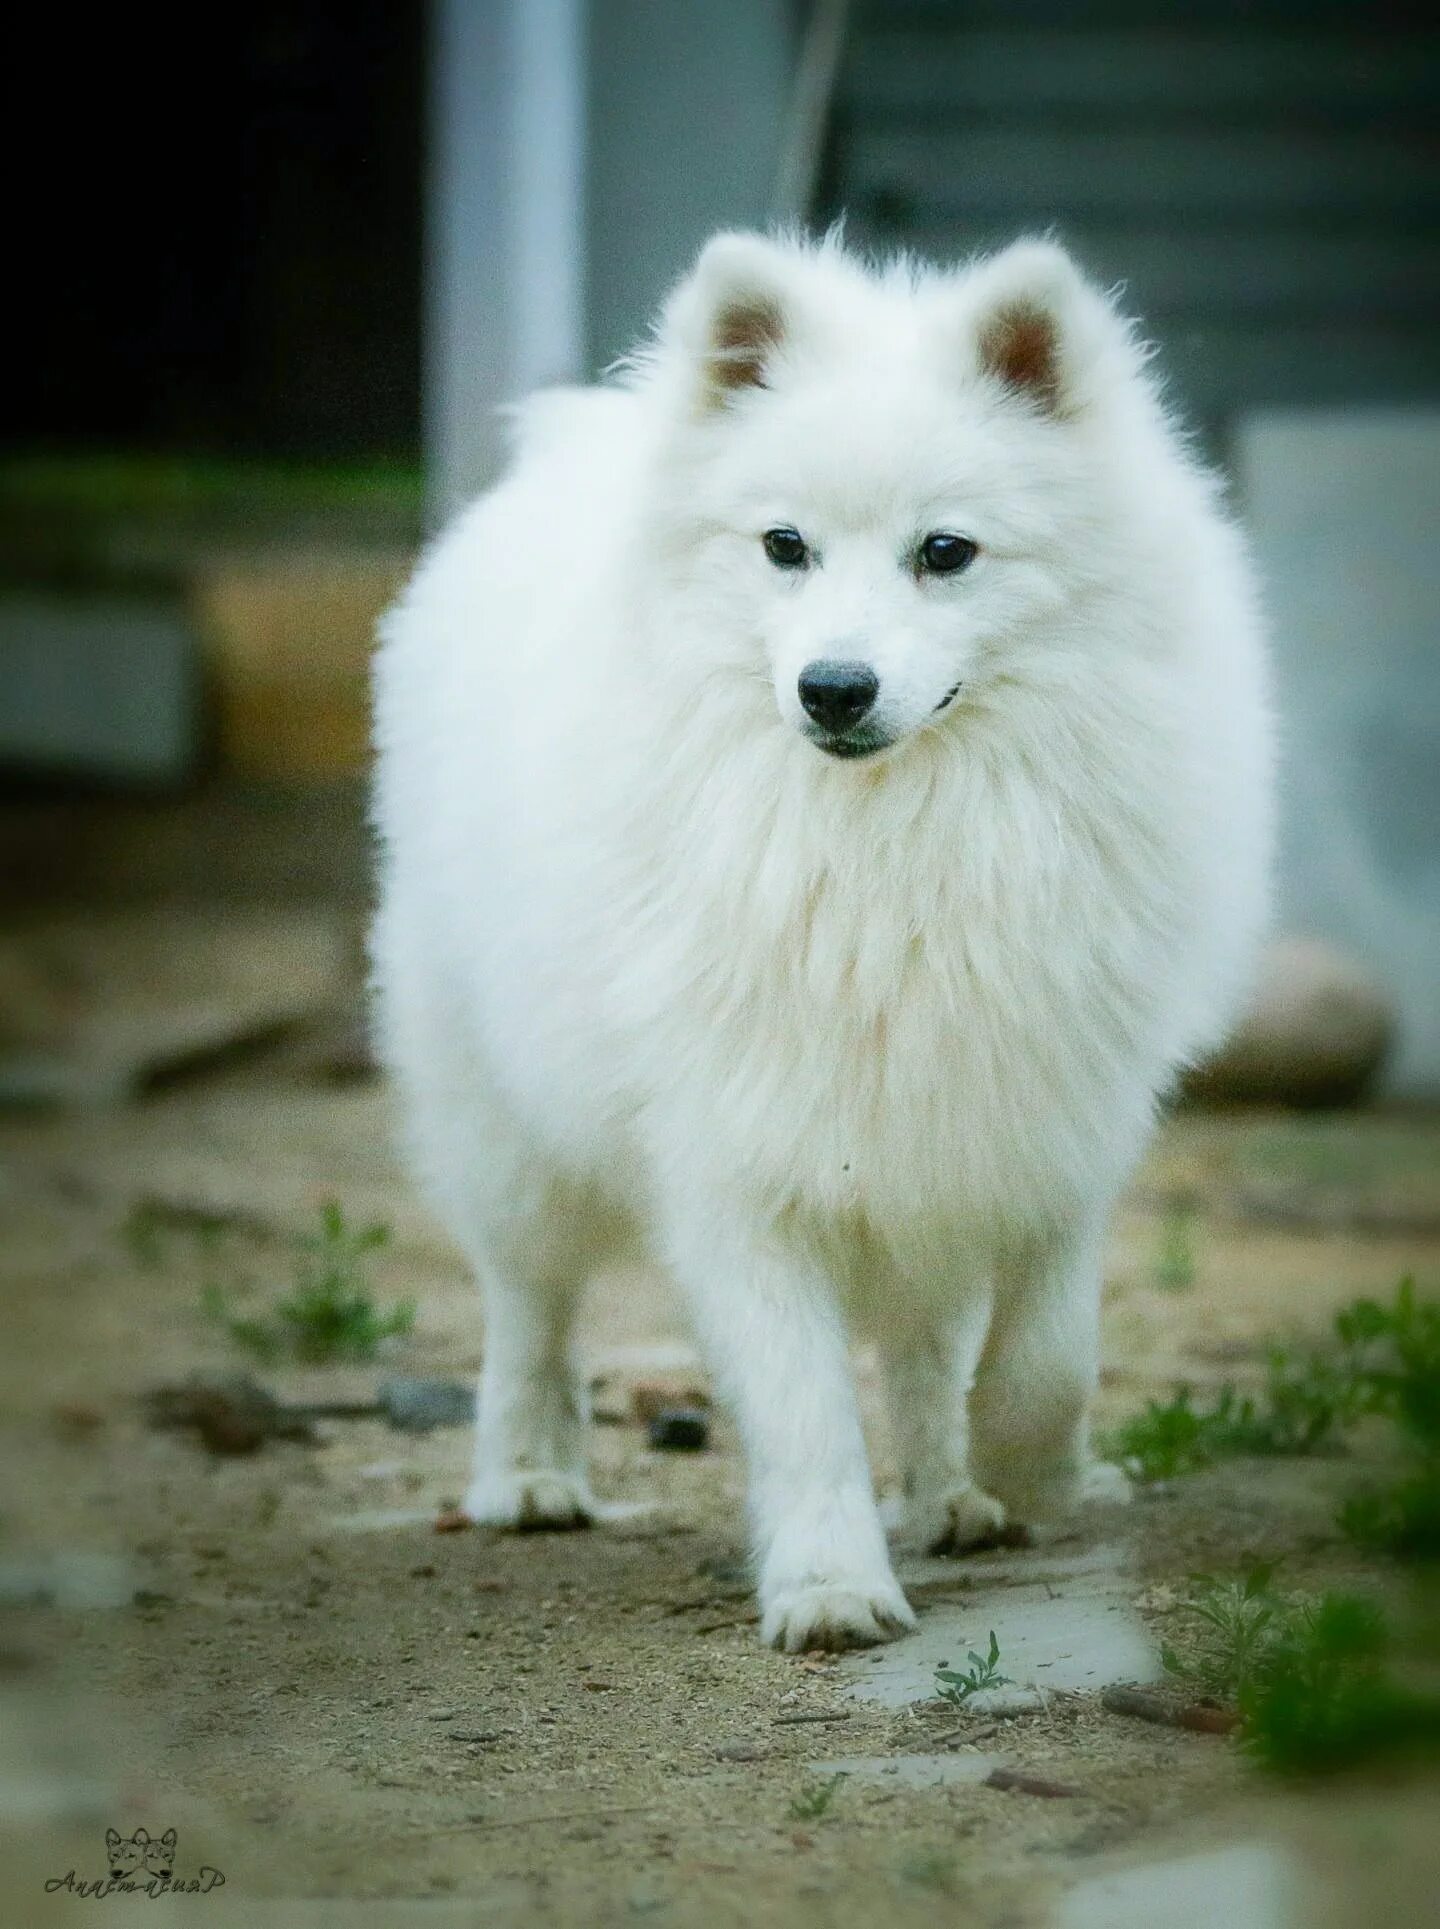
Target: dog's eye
{"x":786,"y":548}
{"x":943,"y":555}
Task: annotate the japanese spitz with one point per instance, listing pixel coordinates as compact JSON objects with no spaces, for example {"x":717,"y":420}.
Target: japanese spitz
{"x":824,"y":795}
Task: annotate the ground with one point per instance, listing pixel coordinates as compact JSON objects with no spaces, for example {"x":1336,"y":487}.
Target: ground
{"x":278,"y":1656}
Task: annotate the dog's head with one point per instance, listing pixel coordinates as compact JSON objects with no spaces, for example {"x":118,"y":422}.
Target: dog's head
{"x":130,"y":1855}
{"x":884,"y":487}
{"x":125,"y":1854}
{"x":160,"y":1854}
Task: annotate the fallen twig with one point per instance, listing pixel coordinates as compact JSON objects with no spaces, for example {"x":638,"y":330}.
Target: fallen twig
{"x":529,"y":1821}
{"x":797,"y":1721}
{"x":1195,"y":1716}
{"x":1014,"y":1782}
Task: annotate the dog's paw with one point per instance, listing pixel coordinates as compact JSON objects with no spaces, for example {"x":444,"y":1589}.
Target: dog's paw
{"x":832,"y":1615}
{"x":530,"y":1501}
{"x":962,"y":1520}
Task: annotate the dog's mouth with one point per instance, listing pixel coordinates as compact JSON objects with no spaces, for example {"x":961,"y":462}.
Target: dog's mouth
{"x":850,"y":745}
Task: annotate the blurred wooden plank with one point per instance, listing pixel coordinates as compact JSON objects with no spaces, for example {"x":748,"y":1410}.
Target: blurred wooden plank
{"x":1045,"y":173}
{"x":98,"y":687}
{"x":1223,"y":370}
{"x":1377,"y":16}
{"x":96,"y":1005}
{"x":288,"y":644}
{"x":941,"y":70}
{"x":1252,"y":272}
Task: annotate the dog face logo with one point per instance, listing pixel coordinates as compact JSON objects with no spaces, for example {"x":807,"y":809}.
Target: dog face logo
{"x":129,"y":1856}
{"x":160,"y":1854}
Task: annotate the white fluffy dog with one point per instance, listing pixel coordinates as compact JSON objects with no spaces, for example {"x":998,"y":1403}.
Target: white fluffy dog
{"x":824,"y":797}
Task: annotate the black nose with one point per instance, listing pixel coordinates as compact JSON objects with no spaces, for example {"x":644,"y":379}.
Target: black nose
{"x":837,"y":695}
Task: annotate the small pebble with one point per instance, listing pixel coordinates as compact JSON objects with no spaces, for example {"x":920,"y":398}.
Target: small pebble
{"x":739,"y":1751}
{"x":417,"y":1406}
{"x":680,"y":1430}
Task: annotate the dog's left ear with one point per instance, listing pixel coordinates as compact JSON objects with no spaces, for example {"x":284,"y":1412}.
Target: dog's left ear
{"x":733,"y":315}
{"x":168,"y":1840}
{"x":1040,"y":329}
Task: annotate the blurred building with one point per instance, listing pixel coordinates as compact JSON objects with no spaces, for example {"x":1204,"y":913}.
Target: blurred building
{"x":346,"y":236}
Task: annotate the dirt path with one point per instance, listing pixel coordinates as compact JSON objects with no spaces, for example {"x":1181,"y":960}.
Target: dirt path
{"x":279,"y":1657}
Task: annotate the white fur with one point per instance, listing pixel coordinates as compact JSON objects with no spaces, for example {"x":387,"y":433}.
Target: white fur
{"x":871,"y":1042}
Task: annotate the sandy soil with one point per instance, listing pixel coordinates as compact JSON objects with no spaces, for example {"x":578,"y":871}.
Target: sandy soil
{"x":279,"y":1657}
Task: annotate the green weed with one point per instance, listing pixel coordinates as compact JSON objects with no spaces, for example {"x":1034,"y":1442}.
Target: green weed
{"x":1232,"y":1628}
{"x":1311,"y":1678}
{"x":928,"y":1869}
{"x":813,"y":1803}
{"x":1399,"y":1346}
{"x":1384,"y":1360}
{"x":957,"y":1688}
{"x":331,"y":1314}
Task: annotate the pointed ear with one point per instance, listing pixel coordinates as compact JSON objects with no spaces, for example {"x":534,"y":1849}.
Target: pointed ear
{"x":112,"y":1840}
{"x":140,"y":1838}
{"x":1040,"y":329}
{"x":733,"y":316}
{"x":168,"y":1839}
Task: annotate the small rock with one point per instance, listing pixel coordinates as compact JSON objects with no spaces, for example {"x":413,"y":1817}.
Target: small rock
{"x":233,"y":1413}
{"x":650,"y":1399}
{"x":450,"y":1520}
{"x":740,"y":1751}
{"x":728,"y":1572}
{"x":680,"y":1430}
{"x":1014,"y":1781}
{"x":418,"y":1406}
{"x":1317,"y":1032}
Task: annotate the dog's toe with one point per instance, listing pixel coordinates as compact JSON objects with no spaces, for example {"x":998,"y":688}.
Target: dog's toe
{"x":836,"y":1616}
{"x":530,"y":1501}
{"x":966,"y":1519}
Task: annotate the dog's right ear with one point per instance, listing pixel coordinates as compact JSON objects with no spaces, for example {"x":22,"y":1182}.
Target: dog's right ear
{"x":1040,"y":331}
{"x":731,"y":317}
{"x":112,"y":1840}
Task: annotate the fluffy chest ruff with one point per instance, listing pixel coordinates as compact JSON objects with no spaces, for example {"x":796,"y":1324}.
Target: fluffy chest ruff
{"x":933,"y":996}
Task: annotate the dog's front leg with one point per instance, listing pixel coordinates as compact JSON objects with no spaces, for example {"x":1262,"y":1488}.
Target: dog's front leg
{"x":767,"y":1318}
{"x":930,"y":1364}
{"x":1031,"y":1404}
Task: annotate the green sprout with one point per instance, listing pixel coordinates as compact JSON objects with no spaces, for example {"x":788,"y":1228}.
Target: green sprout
{"x":811,"y":1804}
{"x":331,"y":1315}
{"x":957,"y":1688}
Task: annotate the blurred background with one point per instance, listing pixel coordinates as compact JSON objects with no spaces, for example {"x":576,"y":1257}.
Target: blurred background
{"x":274,"y":268}
{"x":291,"y":258}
